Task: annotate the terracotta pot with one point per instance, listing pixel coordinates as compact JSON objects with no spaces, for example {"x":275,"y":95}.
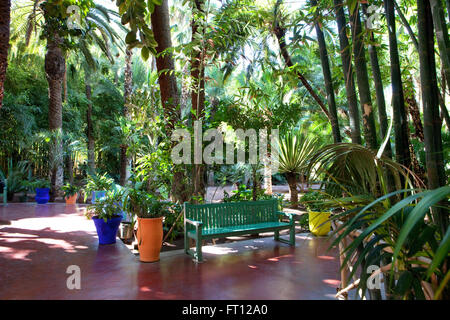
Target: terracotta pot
{"x":72,"y":199}
{"x":149,"y":236}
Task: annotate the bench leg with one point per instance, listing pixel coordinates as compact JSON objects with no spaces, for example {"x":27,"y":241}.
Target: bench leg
{"x":186,"y":242}
{"x":292,"y":235}
{"x":277,"y":235}
{"x":198,"y":250}
{"x":198,"y":245}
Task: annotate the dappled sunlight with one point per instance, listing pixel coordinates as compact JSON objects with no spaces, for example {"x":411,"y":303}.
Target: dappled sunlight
{"x":219,"y":250}
{"x":276,"y":259}
{"x":15,"y":254}
{"x":326,"y":257}
{"x":332,"y":282}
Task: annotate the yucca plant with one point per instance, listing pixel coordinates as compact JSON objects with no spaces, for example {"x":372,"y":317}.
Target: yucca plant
{"x":295,"y":150}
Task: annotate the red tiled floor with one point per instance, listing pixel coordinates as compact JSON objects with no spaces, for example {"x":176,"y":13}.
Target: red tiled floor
{"x":43,"y":240}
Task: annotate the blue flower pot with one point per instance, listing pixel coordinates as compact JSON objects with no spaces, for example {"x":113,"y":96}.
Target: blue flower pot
{"x":97,"y":195}
{"x":107,"y":231}
{"x":42,"y":195}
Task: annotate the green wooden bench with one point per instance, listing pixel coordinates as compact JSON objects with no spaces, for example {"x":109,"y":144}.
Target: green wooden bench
{"x":219,"y":220}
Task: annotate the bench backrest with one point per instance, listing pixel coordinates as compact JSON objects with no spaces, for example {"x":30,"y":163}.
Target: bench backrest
{"x":229,"y":214}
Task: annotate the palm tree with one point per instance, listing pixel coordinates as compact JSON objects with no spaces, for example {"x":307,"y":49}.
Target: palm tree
{"x":295,"y":151}
{"x":432,"y":122}
{"x":398,"y":102}
{"x":327,"y":78}
{"x":347,"y":69}
{"x":362,"y":79}
{"x":5,"y":8}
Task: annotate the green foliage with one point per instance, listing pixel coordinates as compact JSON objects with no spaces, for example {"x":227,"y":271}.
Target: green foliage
{"x":313,"y":200}
{"x":414,"y":244}
{"x":295,"y":151}
{"x":38,"y":183}
{"x":97,"y":182}
{"x":70,"y":190}
{"x":138,"y":202}
{"x":107,"y":207}
{"x":356,"y":170}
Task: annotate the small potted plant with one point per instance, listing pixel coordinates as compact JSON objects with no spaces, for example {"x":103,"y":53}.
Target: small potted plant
{"x":319,"y":223}
{"x":42,"y":188}
{"x":98,"y":185}
{"x":70,"y":193}
{"x":106,"y":213}
{"x":149,"y":211}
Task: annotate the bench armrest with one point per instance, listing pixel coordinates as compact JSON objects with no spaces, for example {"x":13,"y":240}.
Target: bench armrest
{"x":193,"y":222}
{"x":286,"y":214}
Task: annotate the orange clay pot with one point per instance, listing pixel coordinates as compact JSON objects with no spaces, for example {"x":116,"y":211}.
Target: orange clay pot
{"x":72,"y":199}
{"x":149,"y":236}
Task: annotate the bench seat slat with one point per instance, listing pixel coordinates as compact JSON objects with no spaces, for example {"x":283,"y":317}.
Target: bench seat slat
{"x":244,"y":228}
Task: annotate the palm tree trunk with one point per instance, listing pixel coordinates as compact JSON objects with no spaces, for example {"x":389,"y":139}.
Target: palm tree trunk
{"x":90,"y":128}
{"x":292,"y":182}
{"x":398,"y":102}
{"x":440,"y":27}
{"x":198,"y":91}
{"x":5,"y":8}
{"x":328,"y":80}
{"x":128,"y":88}
{"x":168,"y":86}
{"x":379,"y":89}
{"x":54,"y":69}
{"x":280,"y":33}
{"x":348,"y":73}
{"x":432,"y":122}
{"x":363,"y":80}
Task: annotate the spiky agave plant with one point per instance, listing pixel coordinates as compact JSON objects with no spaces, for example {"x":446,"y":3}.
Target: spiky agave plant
{"x":295,"y":149}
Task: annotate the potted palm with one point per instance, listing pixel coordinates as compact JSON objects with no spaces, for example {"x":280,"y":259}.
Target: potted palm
{"x":149,"y":211}
{"x":319,"y":223}
{"x":70,"y":193}
{"x":106,"y":213}
{"x":98,"y":185}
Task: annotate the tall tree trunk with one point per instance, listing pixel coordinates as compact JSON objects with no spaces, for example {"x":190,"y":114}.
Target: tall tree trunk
{"x":168,"y":86}
{"x":328,"y":80}
{"x":402,"y":153}
{"x":348,"y":73}
{"x":54,"y":69}
{"x":198,"y":88}
{"x":5,"y":8}
{"x":440,"y":27}
{"x":362,"y":79}
{"x":406,"y":24}
{"x":90,"y":127}
{"x":128,"y":88}
{"x":379,"y":89}
{"x":432,"y":122}
{"x":280,"y":33}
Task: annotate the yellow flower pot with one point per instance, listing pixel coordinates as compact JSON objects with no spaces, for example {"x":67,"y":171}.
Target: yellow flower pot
{"x":316,"y":223}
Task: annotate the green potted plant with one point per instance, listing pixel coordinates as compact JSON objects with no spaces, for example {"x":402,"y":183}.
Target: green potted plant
{"x":106,"y":213}
{"x":319,"y":223}
{"x":98,"y":185}
{"x":70,"y":193}
{"x":42,"y":188}
{"x":149,"y":211}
